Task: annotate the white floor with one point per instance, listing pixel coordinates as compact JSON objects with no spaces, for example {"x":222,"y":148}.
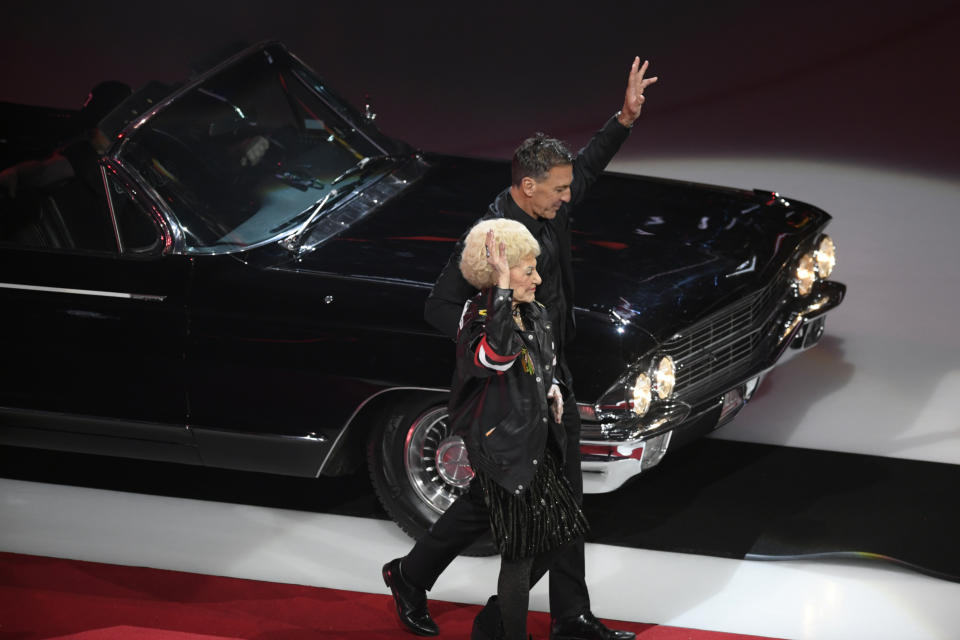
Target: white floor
{"x":883,"y":381}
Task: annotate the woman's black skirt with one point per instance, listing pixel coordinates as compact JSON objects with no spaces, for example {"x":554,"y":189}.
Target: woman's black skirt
{"x":544,"y":517}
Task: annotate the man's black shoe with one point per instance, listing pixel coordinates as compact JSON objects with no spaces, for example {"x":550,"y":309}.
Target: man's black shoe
{"x":586,"y":627}
{"x":411,"y":601}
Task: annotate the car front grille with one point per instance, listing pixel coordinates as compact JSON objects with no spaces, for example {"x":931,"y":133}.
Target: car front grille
{"x":721,"y":345}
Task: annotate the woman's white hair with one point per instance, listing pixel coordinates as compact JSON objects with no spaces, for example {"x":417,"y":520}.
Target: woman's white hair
{"x":519,"y":242}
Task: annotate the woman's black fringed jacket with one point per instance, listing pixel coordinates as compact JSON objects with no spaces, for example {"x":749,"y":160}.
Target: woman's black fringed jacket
{"x":498,"y":401}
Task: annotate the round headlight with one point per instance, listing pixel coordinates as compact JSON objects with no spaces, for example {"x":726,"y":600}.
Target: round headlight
{"x":806,"y":274}
{"x":641,"y":394}
{"x":664,"y":377}
{"x":826,"y":255}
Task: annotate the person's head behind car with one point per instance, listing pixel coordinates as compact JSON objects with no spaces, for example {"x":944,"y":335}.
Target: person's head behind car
{"x":101,"y":100}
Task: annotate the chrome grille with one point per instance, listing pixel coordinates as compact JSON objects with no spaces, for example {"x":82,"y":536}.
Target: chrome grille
{"x":722,"y":344}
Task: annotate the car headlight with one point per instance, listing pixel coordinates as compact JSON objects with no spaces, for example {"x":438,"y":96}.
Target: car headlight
{"x":637,"y":391}
{"x":826,"y":255}
{"x":642,"y":394}
{"x":664,"y":377}
{"x":806,"y":274}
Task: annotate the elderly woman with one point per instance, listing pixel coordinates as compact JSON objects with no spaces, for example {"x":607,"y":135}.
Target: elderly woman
{"x":507,"y":408}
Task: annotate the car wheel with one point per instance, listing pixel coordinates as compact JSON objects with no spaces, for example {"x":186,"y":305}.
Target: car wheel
{"x":418,"y":468}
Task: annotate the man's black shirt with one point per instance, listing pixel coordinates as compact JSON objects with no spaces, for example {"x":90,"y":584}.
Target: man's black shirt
{"x":550,"y":291}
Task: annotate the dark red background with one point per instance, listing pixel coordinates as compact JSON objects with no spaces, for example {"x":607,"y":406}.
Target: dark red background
{"x":847,"y":80}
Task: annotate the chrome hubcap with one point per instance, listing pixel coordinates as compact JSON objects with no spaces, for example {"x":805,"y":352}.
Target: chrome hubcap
{"x":436,"y":463}
{"x":452,"y":462}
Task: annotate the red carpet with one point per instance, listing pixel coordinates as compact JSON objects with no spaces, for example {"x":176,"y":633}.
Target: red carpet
{"x":42,"y":598}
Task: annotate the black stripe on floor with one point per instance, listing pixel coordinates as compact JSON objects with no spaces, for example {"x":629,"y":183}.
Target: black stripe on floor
{"x":743,"y":500}
{"x":714,"y":497}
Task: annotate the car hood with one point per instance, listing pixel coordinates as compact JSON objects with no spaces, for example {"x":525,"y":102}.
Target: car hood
{"x":672,"y":252}
{"x":649,"y":248}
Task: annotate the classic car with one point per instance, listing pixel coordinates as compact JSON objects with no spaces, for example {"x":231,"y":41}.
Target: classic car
{"x":247,"y":292}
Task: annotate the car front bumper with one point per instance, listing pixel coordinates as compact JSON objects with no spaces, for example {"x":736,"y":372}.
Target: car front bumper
{"x":613,"y":453}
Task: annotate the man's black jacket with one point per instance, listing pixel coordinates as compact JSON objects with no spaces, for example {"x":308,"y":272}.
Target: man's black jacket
{"x":445,"y":302}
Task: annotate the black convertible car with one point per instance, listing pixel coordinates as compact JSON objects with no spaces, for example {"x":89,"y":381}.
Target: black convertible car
{"x":246,"y":290}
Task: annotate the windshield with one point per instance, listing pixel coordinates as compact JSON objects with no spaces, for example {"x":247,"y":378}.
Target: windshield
{"x":244,"y":157}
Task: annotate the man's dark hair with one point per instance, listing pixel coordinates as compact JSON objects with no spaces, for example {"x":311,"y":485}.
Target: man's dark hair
{"x":537,"y":155}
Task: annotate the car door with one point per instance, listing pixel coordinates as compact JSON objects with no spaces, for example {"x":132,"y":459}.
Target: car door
{"x":92,"y":330}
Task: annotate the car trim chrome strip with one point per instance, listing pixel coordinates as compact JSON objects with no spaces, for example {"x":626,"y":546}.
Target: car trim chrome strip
{"x":113,"y":213}
{"x":349,"y":423}
{"x":84,"y":292}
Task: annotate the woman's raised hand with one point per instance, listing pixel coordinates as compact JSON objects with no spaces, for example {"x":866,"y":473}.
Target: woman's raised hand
{"x":497,"y":259}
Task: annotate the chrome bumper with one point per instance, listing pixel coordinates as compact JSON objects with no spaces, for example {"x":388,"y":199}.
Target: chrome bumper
{"x":611,"y":454}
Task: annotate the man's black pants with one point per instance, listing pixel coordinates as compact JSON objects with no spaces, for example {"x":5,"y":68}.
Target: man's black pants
{"x":467,"y":519}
